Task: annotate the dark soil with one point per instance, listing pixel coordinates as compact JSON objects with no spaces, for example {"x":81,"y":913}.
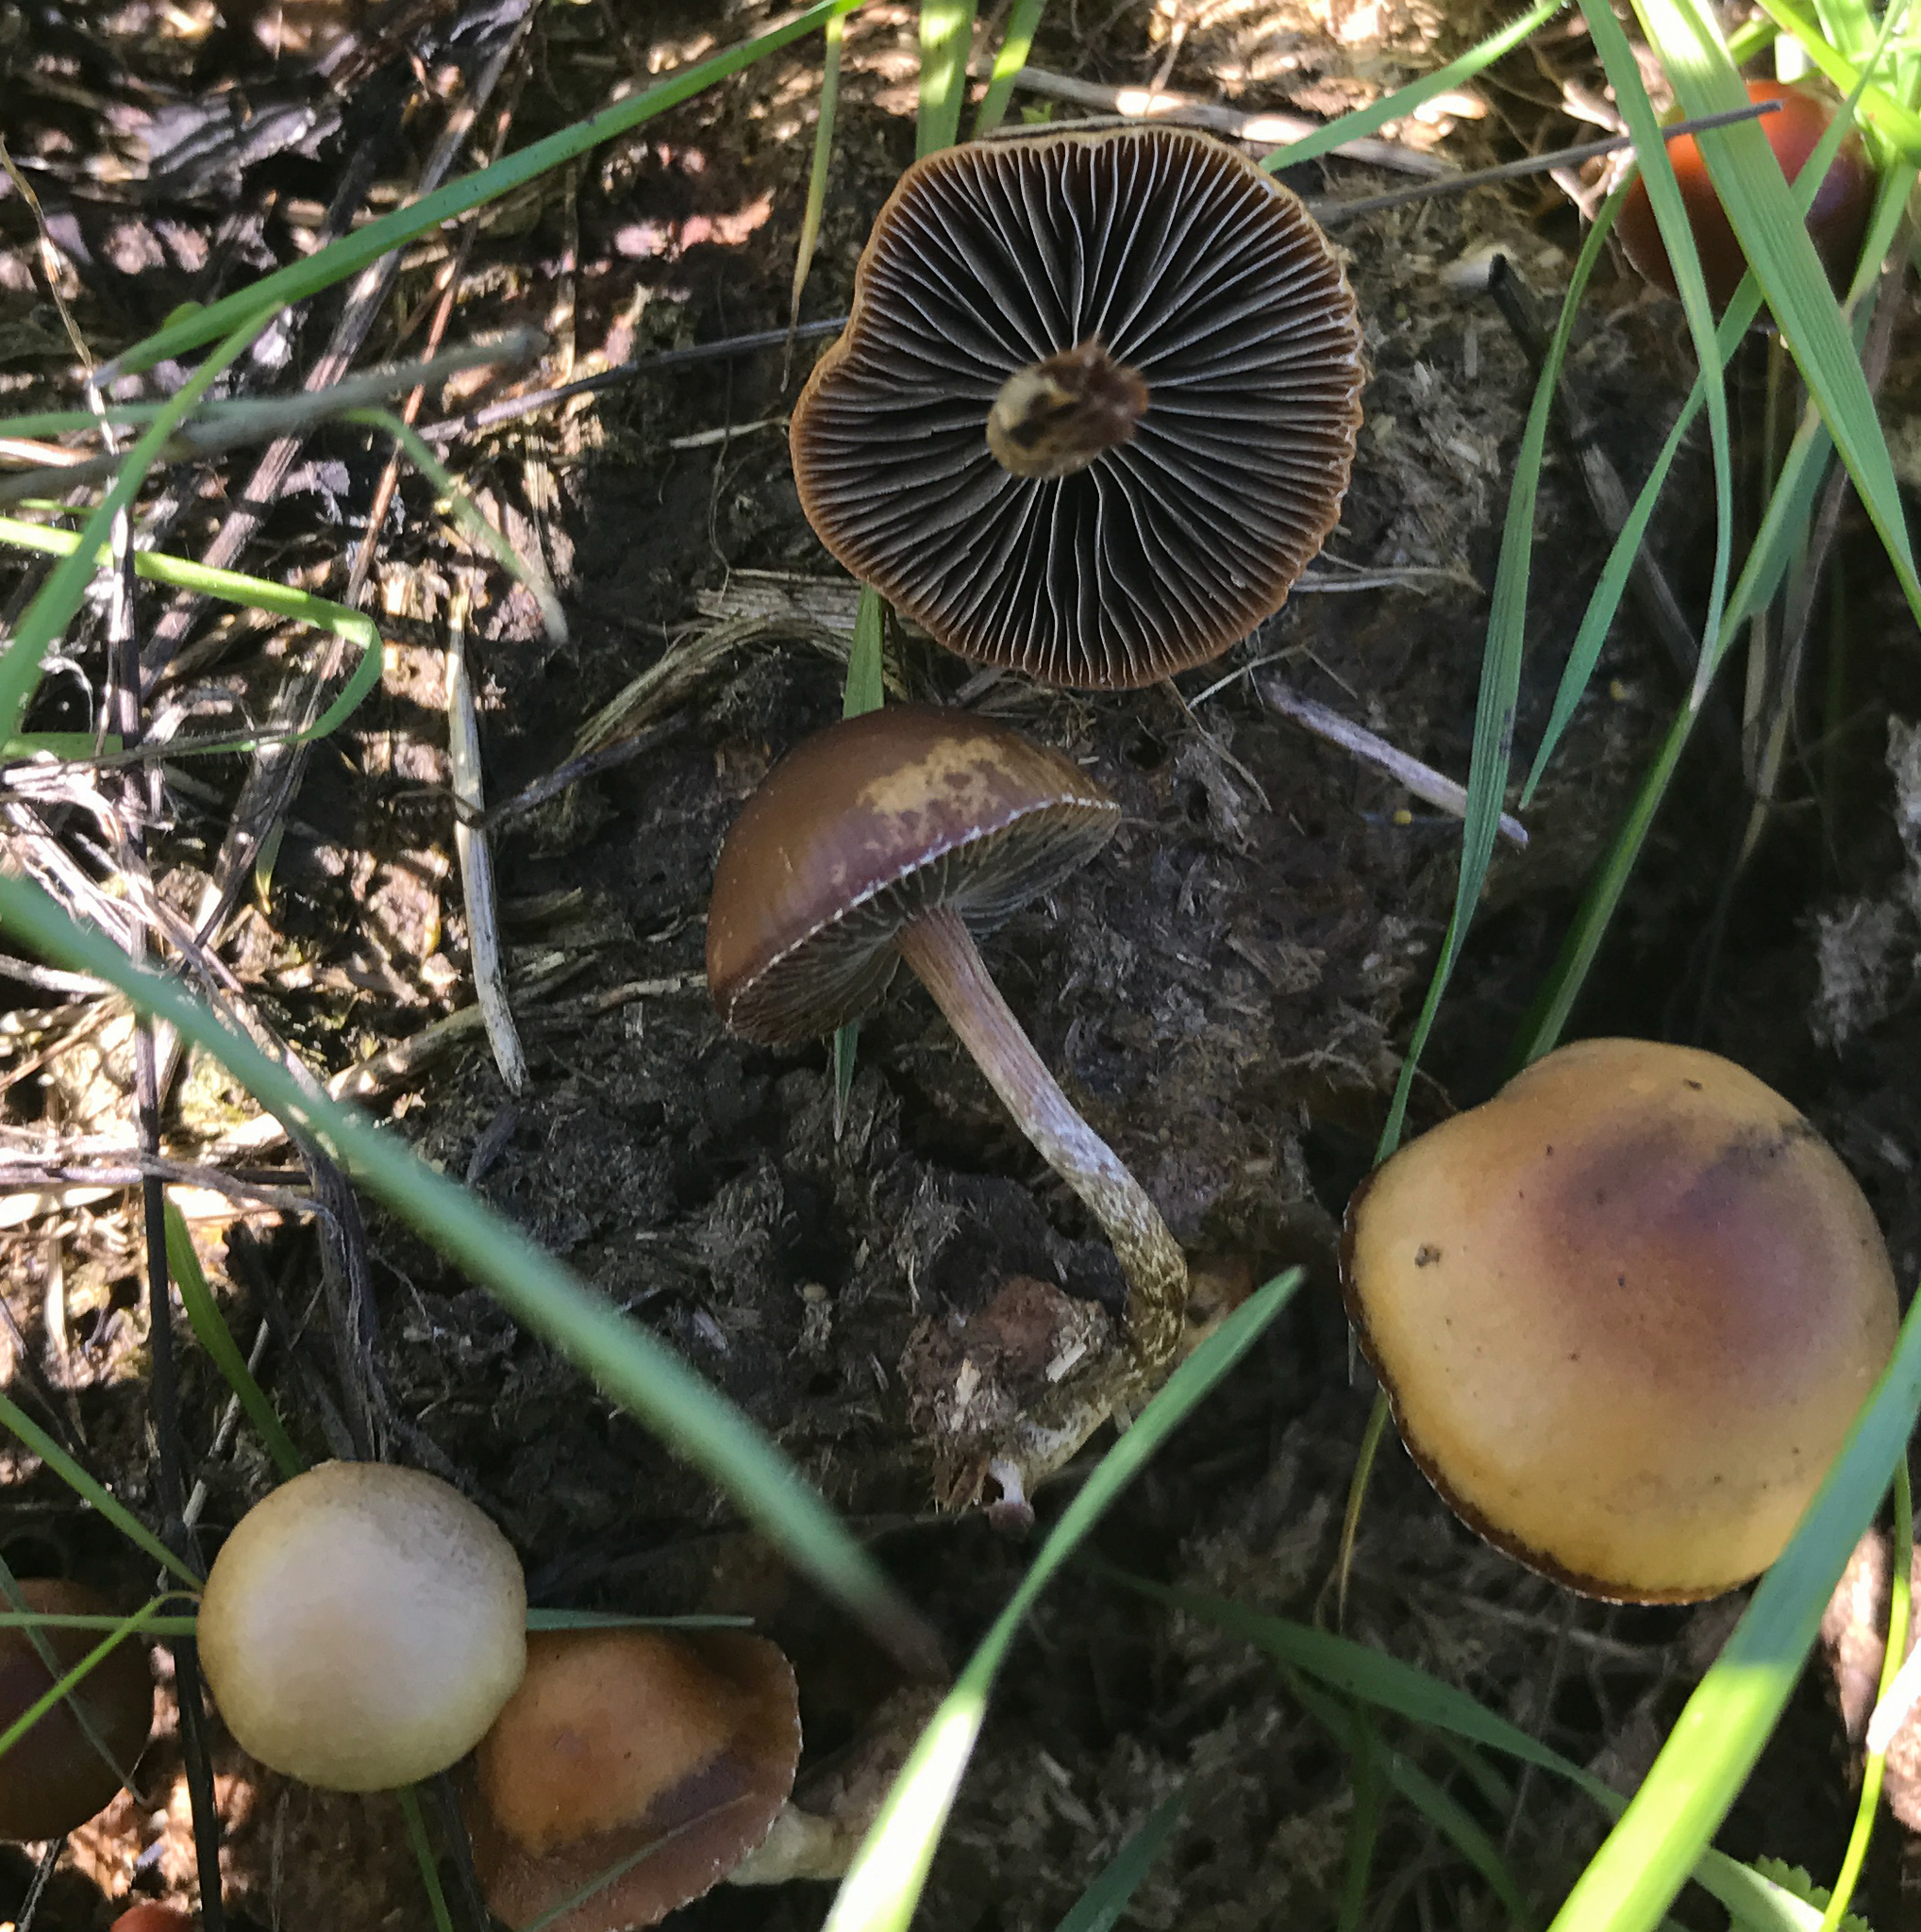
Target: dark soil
{"x":1227,"y":990}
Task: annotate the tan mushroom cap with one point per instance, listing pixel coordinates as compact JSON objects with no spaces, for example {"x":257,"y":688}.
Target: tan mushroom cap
{"x":619,"y":1740}
{"x":1625,"y":1312}
{"x":54,"y":1779}
{"x":363,"y":1625}
{"x":868,"y":823}
{"x":1167,"y":333}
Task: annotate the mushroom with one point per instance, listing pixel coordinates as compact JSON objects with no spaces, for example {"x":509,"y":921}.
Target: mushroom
{"x":1837,"y":218}
{"x":1096,"y":405}
{"x":645,"y":1763}
{"x":363,"y":1625}
{"x":1624,"y":1312}
{"x":896,"y":834}
{"x":58,"y":1776}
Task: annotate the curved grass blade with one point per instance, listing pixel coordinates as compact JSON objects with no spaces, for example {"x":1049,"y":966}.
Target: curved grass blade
{"x":883,"y":1885}
{"x":1500,"y":683}
{"x":947,"y":40}
{"x":28,"y":1431}
{"x":833,"y":36}
{"x":256,"y":594}
{"x":635,"y":1370}
{"x":57,"y":600}
{"x":1101,"y":1905}
{"x":1763,"y":215}
{"x":123,"y":1628}
{"x":209,"y":1327}
{"x":1016,"y":45}
{"x":1900,"y":1585}
{"x":1386,"y":1683}
{"x":355,"y":251}
{"x":423,"y":1858}
{"x":1403,"y":101}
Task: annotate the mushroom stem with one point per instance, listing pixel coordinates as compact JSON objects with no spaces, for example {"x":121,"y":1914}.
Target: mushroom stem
{"x":1054,"y":417}
{"x":944,"y":958}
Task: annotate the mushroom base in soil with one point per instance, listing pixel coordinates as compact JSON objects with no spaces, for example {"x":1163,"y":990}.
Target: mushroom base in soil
{"x":894,"y":836}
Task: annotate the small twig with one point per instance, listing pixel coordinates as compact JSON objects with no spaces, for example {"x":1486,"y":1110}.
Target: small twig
{"x":477,"y":857}
{"x":516,"y":407}
{"x":1424,"y":781}
{"x":1264,"y":130}
{"x":258,"y":419}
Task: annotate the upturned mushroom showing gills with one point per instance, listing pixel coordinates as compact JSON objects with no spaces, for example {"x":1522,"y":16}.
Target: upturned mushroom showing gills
{"x":898,"y":835}
{"x":1625,"y":1312}
{"x":1096,"y":405}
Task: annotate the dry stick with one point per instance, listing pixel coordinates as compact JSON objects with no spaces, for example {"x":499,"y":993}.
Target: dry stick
{"x":729,"y":347}
{"x":1424,"y":781}
{"x":140,"y":803}
{"x":475,"y":858}
{"x":1273,"y":129}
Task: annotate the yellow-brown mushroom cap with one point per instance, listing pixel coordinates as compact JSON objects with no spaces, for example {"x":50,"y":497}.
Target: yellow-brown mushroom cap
{"x":680,"y":1745}
{"x":1180,"y":321}
{"x":1625,"y":1312}
{"x":868,"y":823}
{"x":55,"y":1778}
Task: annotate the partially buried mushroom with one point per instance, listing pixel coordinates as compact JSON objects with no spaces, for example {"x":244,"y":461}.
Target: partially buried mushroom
{"x":636,"y":1766}
{"x":1096,"y":405}
{"x":897,"y":835}
{"x":1625,"y":1312}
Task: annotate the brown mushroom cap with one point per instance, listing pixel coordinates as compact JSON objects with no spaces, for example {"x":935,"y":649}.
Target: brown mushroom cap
{"x":621,"y":1738}
{"x":1182,"y":525}
{"x":1625,"y":1312}
{"x":363,"y":1625}
{"x":54,"y":1779}
{"x":866,"y":825}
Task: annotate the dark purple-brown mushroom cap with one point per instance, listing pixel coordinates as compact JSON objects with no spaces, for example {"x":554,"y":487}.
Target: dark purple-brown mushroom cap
{"x":1096,"y":405}
{"x":57,"y":1776}
{"x":868,"y":825}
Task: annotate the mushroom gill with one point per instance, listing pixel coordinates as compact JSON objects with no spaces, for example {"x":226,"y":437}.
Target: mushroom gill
{"x":1096,"y":407}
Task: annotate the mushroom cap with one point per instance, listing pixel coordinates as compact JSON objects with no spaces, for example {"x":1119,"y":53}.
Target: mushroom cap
{"x":54,"y":1780}
{"x":1837,"y":218}
{"x":621,"y":1739}
{"x":864,"y":826}
{"x":1192,"y":268}
{"x":1625,"y":1312}
{"x":363,"y":1625}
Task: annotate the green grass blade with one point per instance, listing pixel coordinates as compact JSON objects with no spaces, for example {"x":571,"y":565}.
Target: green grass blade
{"x":1763,"y":215}
{"x":60,"y":597}
{"x":1403,"y":101}
{"x":947,"y":40}
{"x":1099,"y":1907}
{"x":833,"y":36}
{"x":423,"y":1858}
{"x":1500,"y":683}
{"x":209,"y":1326}
{"x":1367,"y":1780}
{"x":883,"y":1885}
{"x":1016,"y":45}
{"x":635,"y":1370}
{"x":1775,"y":540}
{"x":1886,"y":115}
{"x":148,"y":1626}
{"x":256,"y":594}
{"x":1712,"y":1747}
{"x":1385,"y":1682}
{"x":1869,"y":1803}
{"x":354,"y":252}
{"x":23,"y":1426}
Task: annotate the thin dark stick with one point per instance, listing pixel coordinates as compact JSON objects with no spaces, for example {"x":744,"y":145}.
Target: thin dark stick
{"x":1327,"y":213}
{"x":516,"y":407}
{"x":140,"y":803}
